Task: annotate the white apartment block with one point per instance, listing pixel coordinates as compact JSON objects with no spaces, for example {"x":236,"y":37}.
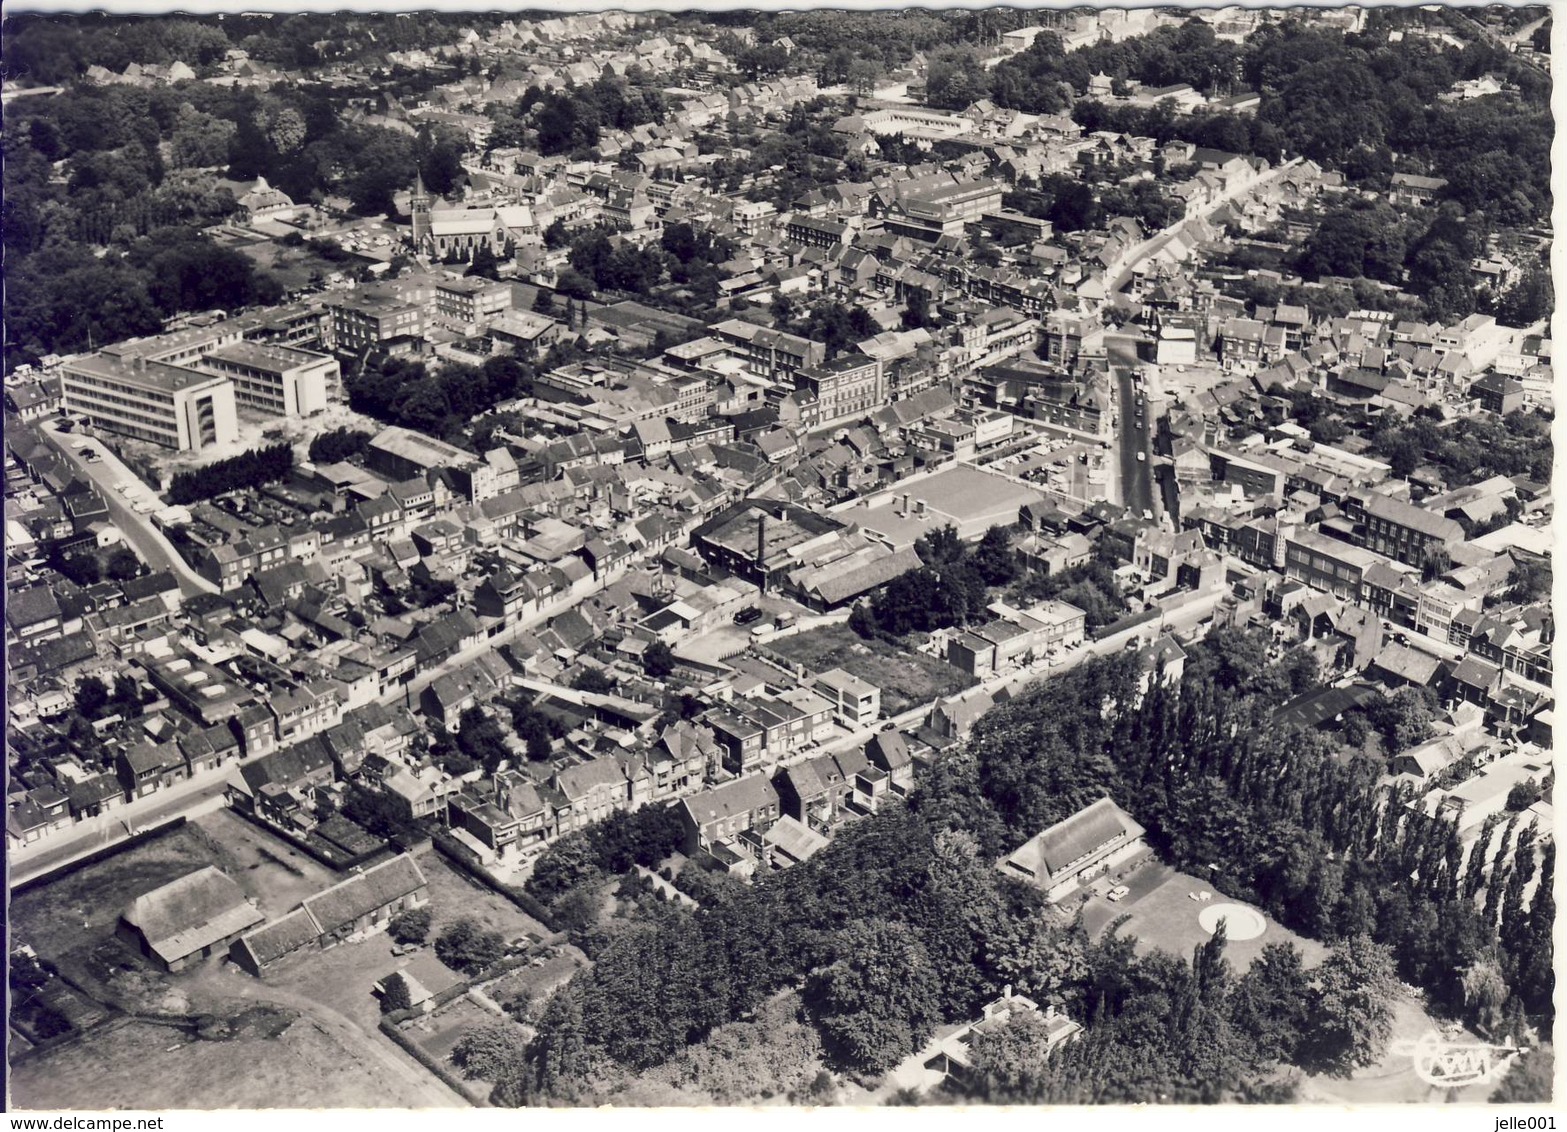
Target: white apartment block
{"x":170,"y":405}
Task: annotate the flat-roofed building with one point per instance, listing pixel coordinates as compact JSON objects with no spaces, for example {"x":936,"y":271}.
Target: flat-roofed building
{"x":170,"y":405}
{"x":856,"y":703}
{"x":377,"y":321}
{"x":281,"y":381}
{"x":467,"y":301}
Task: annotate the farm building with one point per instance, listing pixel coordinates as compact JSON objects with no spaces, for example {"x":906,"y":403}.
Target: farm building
{"x":362,"y":903}
{"x":186,"y":920}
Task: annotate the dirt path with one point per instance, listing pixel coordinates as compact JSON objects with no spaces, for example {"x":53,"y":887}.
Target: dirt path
{"x":433,"y":1093}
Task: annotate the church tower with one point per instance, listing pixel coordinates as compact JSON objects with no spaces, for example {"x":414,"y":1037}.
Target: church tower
{"x":419,"y":207}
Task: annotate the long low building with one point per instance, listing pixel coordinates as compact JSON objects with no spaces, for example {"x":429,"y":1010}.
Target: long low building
{"x":363,"y":903}
{"x":1076,"y":850}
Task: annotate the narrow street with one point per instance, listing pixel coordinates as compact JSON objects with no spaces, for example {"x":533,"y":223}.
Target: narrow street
{"x":106,"y":473}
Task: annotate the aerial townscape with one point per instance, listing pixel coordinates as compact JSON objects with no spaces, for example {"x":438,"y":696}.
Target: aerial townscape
{"x":778,"y":558}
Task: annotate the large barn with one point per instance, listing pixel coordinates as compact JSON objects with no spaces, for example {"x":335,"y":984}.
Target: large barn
{"x":188,"y":919}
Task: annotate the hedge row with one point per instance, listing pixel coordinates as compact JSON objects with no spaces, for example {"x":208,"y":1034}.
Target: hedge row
{"x":447,"y":1077}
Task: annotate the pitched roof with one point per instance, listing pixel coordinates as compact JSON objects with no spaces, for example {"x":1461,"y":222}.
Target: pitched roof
{"x":743,"y":795}
{"x":357,"y":896}
{"x":191,"y":913}
{"x":1048,"y":854}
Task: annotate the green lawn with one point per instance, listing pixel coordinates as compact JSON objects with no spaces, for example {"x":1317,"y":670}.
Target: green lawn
{"x":1162,"y":915}
{"x":906,"y":679}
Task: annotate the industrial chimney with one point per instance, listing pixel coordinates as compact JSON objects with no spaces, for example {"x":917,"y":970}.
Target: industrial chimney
{"x":761,"y":548}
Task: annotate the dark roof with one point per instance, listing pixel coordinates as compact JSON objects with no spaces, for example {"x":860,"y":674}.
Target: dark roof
{"x":281,"y":937}
{"x":357,"y":896}
{"x":1316,"y":708}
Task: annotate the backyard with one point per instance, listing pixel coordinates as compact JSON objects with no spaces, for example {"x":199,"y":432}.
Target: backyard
{"x":906,"y":679}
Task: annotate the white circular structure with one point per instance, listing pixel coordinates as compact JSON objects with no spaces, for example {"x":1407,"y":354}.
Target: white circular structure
{"x":1240,"y":922}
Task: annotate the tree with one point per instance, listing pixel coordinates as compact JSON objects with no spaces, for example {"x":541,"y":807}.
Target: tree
{"x":92,"y":697}
{"x":394,"y":994}
{"x":1270,"y":1002}
{"x":1530,"y":1078}
{"x":568,"y":863}
{"x":468,"y":948}
{"x":123,"y":565}
{"x":658,"y":661}
{"x":490,"y":1051}
{"x":592,"y":680}
{"x":412,"y":925}
{"x":1353,"y":1005}
{"x":876,"y":1003}
{"x":338,"y":445}
{"x":994,"y":558}
{"x":480,"y":738}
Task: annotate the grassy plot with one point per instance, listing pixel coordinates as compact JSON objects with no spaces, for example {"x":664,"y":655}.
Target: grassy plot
{"x":84,"y":906}
{"x":906,"y":679}
{"x":265,"y":1064}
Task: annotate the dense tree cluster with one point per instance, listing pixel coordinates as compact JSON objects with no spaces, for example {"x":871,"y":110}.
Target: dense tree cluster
{"x":255,"y":468}
{"x":950,"y":588}
{"x":445,"y":404}
{"x":1264,"y":812}
{"x":572,"y":870}
{"x":337,"y":445}
{"x":569,"y":121}
{"x":1469,"y":449}
{"x":1161,"y":1030}
{"x":931,"y":907}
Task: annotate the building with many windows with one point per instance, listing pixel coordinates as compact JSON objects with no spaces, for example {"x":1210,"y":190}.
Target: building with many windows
{"x":277,"y":380}
{"x":171,"y":405}
{"x":849,"y":385}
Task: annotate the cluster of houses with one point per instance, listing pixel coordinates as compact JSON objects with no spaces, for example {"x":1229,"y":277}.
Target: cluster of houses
{"x":687,"y":468}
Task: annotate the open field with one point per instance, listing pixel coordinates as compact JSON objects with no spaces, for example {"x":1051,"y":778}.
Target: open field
{"x":271,"y":871}
{"x":906,"y":679}
{"x":1163,"y":915}
{"x":139,"y":1066}
{"x":84,"y":907}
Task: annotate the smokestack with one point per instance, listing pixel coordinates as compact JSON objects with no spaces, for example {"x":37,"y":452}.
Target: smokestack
{"x":761,"y":548}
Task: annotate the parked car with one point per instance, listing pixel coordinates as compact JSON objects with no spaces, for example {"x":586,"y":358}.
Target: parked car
{"x":1118,"y":893}
{"x":747,"y":615}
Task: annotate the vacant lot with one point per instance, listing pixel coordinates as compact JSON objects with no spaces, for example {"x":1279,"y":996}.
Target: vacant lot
{"x":1163,"y":915}
{"x":84,"y":907}
{"x":137,"y":1066}
{"x":270,"y":870}
{"x":906,"y":679}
